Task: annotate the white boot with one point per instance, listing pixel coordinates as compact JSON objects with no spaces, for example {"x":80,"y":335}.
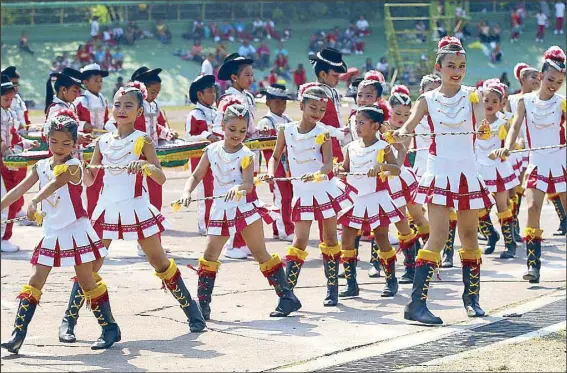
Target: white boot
{"x":8,"y":247}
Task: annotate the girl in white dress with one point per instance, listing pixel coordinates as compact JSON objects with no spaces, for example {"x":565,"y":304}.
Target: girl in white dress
{"x":318,"y":195}
{"x":373,"y":209}
{"x":124,"y":211}
{"x":498,"y":174}
{"x":450,"y":181}
{"x":232,"y":165}
{"x":68,"y":237}
{"x":530,"y":81}
{"x":543,"y":115}
{"x":403,"y":187}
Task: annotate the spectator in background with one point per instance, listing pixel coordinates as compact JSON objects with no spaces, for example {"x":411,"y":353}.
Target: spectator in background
{"x":118,"y":60}
{"x":368,"y":65}
{"x":281,"y":66}
{"x":273,"y":77}
{"x":281,"y":49}
{"x":496,"y":54}
{"x":286,"y":34}
{"x":23,"y":43}
{"x":299,"y":76}
{"x":162,"y":32}
{"x":541,"y":22}
{"x":99,"y":55}
{"x":221,"y":52}
{"x":226,"y":31}
{"x":484,"y":32}
{"x":421,"y":31}
{"x":214,"y":30}
{"x":198,"y":29}
{"x":95,"y":28}
{"x":559,"y":16}
{"x":83,"y":55}
{"x":515,"y":26}
{"x":246,"y":50}
{"x":504,"y":79}
{"x":207,"y":65}
{"x":119,"y":84}
{"x":129,"y":36}
{"x":271,"y":30}
{"x":359,"y":45}
{"x":107,"y":37}
{"x":521,"y":11}
{"x":117,"y":33}
{"x":196,"y":52}
{"x":362,"y":26}
{"x":107,"y":62}
{"x":383,"y":67}
{"x":258,"y":29}
{"x":263,"y":52}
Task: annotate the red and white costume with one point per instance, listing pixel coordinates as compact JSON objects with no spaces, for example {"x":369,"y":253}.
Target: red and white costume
{"x":545,"y":126}
{"x":282,"y":190}
{"x":153,"y":123}
{"x":58,"y":105}
{"x":248,"y":100}
{"x":498,"y":174}
{"x":92,"y":109}
{"x":519,"y":161}
{"x":124,"y":210}
{"x":198,"y":127}
{"x":311,"y":200}
{"x":403,"y":187}
{"x":19,"y":107}
{"x":451,"y":178}
{"x":372,"y":205}
{"x":12,"y":176}
{"x":421,"y":142}
{"x":229,"y":218}
{"x":333,"y":121}
{"x":68,"y":236}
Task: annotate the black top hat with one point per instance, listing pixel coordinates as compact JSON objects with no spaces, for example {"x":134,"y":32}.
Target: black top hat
{"x":353,"y":87}
{"x":230,"y":65}
{"x":7,"y":85}
{"x":144,"y":74}
{"x":331,"y":57}
{"x":201,"y":82}
{"x":68,"y":77}
{"x":277,"y":91}
{"x":93,"y":69}
{"x":11,"y":72}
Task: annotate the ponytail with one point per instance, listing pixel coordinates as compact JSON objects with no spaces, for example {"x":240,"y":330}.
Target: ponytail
{"x":48,"y":94}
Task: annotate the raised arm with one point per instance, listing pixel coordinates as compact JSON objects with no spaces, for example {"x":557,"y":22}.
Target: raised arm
{"x":277,"y":155}
{"x":20,"y":189}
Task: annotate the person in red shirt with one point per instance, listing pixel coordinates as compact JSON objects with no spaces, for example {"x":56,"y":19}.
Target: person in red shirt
{"x":273,"y":77}
{"x":299,"y":76}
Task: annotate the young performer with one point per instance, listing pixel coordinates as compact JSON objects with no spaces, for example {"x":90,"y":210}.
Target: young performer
{"x":199,"y":127}
{"x":498,"y":174}
{"x":276,"y":101}
{"x":543,"y":113}
{"x":18,"y":105}
{"x":238,"y":70}
{"x":318,"y":195}
{"x":403,"y":187}
{"x":153,"y":123}
{"x":232,"y":166}
{"x":92,"y":110}
{"x":373,"y":209}
{"x":529,"y":81}
{"x":68,"y":237}
{"x":63,"y":92}
{"x":328,"y":64}
{"x":10,"y":142}
{"x":450,"y":181}
{"x":124,"y":211}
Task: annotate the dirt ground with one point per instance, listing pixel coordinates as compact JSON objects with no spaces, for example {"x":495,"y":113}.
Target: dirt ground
{"x":545,"y":354}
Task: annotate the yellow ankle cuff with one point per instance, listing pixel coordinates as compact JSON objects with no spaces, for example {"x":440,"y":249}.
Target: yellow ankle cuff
{"x":504,"y":215}
{"x":205,"y":265}
{"x":470,"y":254}
{"x":330,"y":250}
{"x":429,"y":256}
{"x":533,"y":232}
{"x":348,"y":254}
{"x":387,"y":254}
{"x":96,"y":292}
{"x":31,"y":291}
{"x":169,"y":272}
{"x":270,"y":264}
{"x":297,"y":253}
{"x":407,"y":237}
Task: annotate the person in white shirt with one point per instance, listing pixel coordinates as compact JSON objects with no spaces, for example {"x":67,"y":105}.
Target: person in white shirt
{"x":541,"y":22}
{"x":559,"y":16}
{"x":94,"y":28}
{"x":207,"y":65}
{"x":362,"y":26}
{"x":246,"y":50}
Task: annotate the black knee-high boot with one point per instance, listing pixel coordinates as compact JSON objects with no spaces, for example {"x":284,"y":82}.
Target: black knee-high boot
{"x":349,"y":263}
{"x":29,"y":299}
{"x":207,"y":274}
{"x":274,"y":272}
{"x":374,"y":271}
{"x":99,"y":303}
{"x":471,"y":260}
{"x":533,"y":247}
{"x":331,"y":256}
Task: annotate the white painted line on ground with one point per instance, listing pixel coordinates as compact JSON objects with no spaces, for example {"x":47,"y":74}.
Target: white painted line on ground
{"x":414,"y":339}
{"x":519,"y":339}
